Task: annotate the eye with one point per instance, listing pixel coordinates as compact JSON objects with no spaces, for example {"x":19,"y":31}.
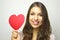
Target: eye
{"x":31,"y":13}
{"x":40,"y":14}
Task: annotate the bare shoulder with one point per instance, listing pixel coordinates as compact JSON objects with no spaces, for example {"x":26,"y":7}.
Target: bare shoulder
{"x":52,"y":37}
{"x":21,"y":35}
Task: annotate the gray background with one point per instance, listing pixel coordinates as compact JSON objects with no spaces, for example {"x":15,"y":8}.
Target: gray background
{"x":9,"y":7}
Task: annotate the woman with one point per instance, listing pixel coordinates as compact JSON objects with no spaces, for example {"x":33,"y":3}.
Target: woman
{"x":37,"y":25}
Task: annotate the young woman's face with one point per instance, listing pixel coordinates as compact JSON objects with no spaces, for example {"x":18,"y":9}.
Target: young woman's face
{"x":35,"y":17}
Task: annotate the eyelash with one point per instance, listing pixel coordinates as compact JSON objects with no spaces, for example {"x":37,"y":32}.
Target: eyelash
{"x":38,"y":14}
{"x":32,"y":13}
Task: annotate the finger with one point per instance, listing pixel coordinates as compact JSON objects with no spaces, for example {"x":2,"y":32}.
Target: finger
{"x":15,"y":31}
{"x":15,"y":34}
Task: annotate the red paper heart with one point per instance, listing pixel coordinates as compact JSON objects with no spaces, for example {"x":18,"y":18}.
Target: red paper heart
{"x":16,"y":21}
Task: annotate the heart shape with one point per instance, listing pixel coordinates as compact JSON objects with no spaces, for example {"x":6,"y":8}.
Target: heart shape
{"x":16,"y":21}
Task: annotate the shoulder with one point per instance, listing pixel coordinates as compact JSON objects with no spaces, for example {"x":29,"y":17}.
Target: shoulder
{"x":52,"y":37}
{"x":21,"y":35}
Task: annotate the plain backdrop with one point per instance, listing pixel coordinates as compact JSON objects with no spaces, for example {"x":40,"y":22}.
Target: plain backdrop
{"x":9,"y":7}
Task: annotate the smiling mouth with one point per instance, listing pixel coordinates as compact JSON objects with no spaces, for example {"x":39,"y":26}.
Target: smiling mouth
{"x":35,"y":22}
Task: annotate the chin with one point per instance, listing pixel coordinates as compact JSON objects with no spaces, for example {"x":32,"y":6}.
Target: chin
{"x":35,"y":27}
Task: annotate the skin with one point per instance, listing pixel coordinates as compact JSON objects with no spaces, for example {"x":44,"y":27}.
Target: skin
{"x":35,"y":19}
{"x":15,"y":35}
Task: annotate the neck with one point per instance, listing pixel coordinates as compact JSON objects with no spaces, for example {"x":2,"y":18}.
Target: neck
{"x":35,"y":33}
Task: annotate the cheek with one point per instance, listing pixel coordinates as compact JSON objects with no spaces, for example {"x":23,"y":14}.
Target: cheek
{"x":31,"y":17}
{"x":40,"y":19}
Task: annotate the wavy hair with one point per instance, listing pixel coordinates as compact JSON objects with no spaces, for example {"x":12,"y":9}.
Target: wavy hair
{"x":44,"y":29}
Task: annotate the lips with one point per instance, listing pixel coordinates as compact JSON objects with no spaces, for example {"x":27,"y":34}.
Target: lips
{"x":35,"y":22}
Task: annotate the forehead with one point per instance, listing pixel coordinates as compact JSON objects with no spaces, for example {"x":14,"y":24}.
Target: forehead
{"x":36,"y":9}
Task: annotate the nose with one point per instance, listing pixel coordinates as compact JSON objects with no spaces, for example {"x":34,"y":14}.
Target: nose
{"x":35,"y":18}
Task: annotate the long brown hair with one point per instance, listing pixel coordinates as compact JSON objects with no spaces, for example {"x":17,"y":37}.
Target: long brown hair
{"x":44,"y":29}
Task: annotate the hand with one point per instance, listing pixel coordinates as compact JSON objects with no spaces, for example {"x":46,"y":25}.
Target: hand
{"x":15,"y":35}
